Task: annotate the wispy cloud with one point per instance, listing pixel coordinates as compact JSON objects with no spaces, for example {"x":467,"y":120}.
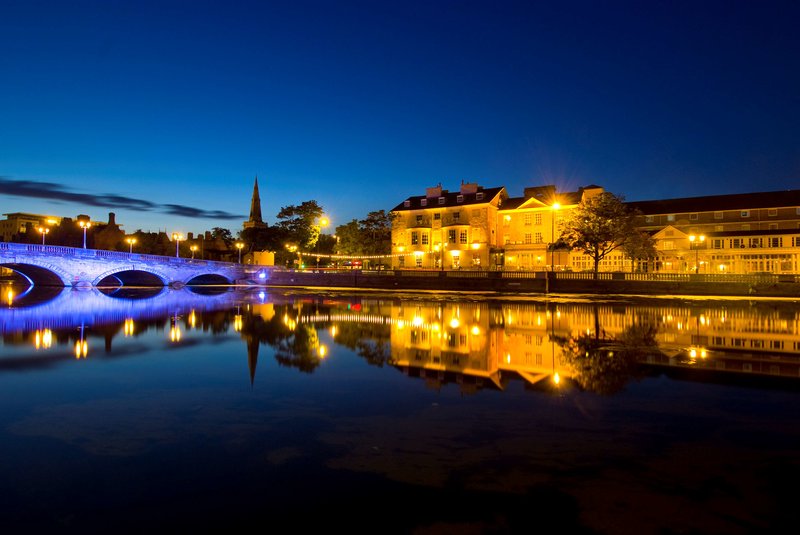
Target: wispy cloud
{"x":57,"y":192}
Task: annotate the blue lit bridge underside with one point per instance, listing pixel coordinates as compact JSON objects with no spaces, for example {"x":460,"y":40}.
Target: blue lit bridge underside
{"x":50,"y":265}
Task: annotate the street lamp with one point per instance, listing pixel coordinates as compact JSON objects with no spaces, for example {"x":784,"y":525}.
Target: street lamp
{"x":699,"y":239}
{"x":130,"y":241}
{"x":239,"y":246}
{"x":193,"y":248}
{"x":323,"y":222}
{"x":177,"y":237}
{"x":44,"y":232}
{"x":554,"y":207}
{"x":84,"y":225}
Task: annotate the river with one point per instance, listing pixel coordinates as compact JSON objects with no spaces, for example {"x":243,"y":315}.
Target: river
{"x":216,"y":408}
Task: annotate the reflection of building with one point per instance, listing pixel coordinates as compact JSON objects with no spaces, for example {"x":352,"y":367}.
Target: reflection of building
{"x":478,"y":228}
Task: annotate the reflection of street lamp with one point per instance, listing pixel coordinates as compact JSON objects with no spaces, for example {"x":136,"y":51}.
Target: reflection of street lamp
{"x":239,"y":246}
{"x":554,"y":207}
{"x":84,"y":225}
{"x":440,"y":254}
{"x":130,"y":241}
{"x":44,"y":232}
{"x":699,"y":239}
{"x":177,"y":237}
{"x":193,"y":249}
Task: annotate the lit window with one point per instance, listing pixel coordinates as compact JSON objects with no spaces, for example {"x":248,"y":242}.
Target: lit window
{"x":527,"y":219}
{"x":528,"y":238}
{"x":441,"y":200}
{"x":745,"y":213}
{"x":462,"y":237}
{"x":437,"y":216}
{"x":772,"y":212}
{"x":460,"y":198}
{"x":693,"y":217}
{"x":649,"y":218}
{"x":406,"y":203}
{"x":671,"y":217}
{"x":479,"y":196}
{"x":423,"y":202}
{"x":717,"y":215}
{"x":456,"y":216}
{"x":538,"y":219}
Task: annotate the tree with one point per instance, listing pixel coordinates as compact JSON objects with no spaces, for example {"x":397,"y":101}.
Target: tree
{"x":301,"y":223}
{"x":376,"y":231}
{"x":598,"y":226}
{"x":350,"y":239}
{"x":219,"y":233}
{"x":639,"y":246}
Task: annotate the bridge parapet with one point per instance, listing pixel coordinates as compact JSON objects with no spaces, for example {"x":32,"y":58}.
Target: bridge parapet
{"x":80,"y":267}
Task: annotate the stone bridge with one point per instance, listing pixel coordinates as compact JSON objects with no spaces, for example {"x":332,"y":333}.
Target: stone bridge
{"x":52,"y":265}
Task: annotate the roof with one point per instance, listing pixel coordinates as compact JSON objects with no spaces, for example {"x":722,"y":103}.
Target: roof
{"x":709,"y":203}
{"x":450,"y":199}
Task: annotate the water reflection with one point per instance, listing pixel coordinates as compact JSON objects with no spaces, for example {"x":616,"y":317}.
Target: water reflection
{"x":548,"y":345}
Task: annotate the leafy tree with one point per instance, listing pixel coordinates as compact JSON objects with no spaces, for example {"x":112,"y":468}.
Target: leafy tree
{"x":219,"y":233}
{"x":350,"y":239}
{"x":598,"y":226}
{"x":639,"y":246}
{"x":376,"y":232}
{"x":301,"y":223}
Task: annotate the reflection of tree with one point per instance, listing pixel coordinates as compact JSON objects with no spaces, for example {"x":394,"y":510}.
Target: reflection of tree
{"x":296,"y":345}
{"x":603,"y":364}
{"x":373,"y":342}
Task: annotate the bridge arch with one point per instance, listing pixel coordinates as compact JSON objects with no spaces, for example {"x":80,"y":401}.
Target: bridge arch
{"x":124,"y":276}
{"x":40,"y":274}
{"x":208,"y":279}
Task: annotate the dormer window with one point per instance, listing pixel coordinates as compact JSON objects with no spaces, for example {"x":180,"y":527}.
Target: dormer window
{"x":407,"y":204}
{"x":424,"y":202}
{"x":460,"y":198}
{"x":479,"y":196}
{"x":441,"y":200}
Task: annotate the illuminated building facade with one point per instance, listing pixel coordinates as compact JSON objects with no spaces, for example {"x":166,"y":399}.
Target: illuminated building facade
{"x":16,"y":224}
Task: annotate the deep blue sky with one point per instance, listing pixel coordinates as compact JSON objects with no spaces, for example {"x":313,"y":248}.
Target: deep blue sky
{"x":360,"y":104}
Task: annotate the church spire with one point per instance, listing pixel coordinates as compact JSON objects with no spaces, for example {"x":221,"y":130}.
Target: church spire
{"x":255,"y":209}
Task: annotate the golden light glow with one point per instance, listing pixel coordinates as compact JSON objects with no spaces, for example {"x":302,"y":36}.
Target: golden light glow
{"x":508,"y":358}
{"x":556,"y":206}
{"x":51,"y":221}
{"x":334,"y":331}
{"x":322,"y":351}
{"x":454,"y":323}
{"x":43,"y":339}
{"x":556,"y":378}
{"x":507,"y":217}
{"x":476,"y":330}
{"x":10,"y":296}
{"x":237,"y":323}
{"x":401,"y":248}
{"x":417,"y":321}
{"x":128,"y":327}
{"x":476,"y":246}
{"x":323,"y":222}
{"x":192,"y":319}
{"x":84,"y":224}
{"x":81,"y":349}
{"x":175,"y":333}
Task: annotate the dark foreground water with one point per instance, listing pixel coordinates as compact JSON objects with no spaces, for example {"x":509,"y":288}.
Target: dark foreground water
{"x":185,"y":412}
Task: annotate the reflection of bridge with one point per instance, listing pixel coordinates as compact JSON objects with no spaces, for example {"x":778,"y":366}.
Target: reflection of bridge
{"x":50,"y":265}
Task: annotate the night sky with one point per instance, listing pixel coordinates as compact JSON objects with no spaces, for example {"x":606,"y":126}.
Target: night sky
{"x":164,"y":112}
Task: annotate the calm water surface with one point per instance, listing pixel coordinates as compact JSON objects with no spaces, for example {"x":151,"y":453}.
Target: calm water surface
{"x":149,"y":411}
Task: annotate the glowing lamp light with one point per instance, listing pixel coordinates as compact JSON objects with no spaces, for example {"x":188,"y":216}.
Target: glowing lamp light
{"x":556,"y":378}
{"x":262,"y":275}
{"x":237,"y":322}
{"x":476,"y":330}
{"x":322,"y":351}
{"x":454,"y":323}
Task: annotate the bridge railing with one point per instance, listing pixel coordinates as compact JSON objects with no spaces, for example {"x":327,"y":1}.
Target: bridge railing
{"x":77,"y":252}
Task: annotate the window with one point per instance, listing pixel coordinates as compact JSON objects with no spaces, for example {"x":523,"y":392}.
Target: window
{"x":506,"y":220}
{"x":527,"y":219}
{"x":755,"y":242}
{"x":451,"y":236}
{"x":479,"y":196}
{"x":538,"y":219}
{"x":424,"y":238}
{"x":528,"y":238}
{"x":419,"y":220}
{"x":437,"y":217}
{"x":772,"y":212}
{"x":668,"y":245}
{"x":693,"y":217}
{"x":671,"y":217}
{"x":716,"y":243}
{"x":423,"y":202}
{"x":406,"y":204}
{"x":538,"y":237}
{"x":737,"y":243}
{"x":414,"y":238}
{"x":456,"y":216}
{"x":649,"y":218}
{"x":441,"y":200}
{"x":401,"y":261}
{"x":745,"y":213}
{"x":462,"y":237}
{"x":775,"y":242}
{"x":506,"y":239}
{"x":773,"y":226}
{"x":718,"y":228}
{"x":460,"y":198}
{"x":717,"y":215}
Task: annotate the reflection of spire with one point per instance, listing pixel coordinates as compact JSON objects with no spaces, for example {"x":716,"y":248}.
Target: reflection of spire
{"x":252,"y":356}
{"x":255,"y":220}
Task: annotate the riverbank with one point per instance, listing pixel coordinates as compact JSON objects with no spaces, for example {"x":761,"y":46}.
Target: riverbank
{"x":502,"y":282}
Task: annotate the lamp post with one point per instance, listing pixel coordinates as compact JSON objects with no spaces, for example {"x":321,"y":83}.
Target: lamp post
{"x":130,"y":241}
{"x":84,"y":225}
{"x":44,"y":232}
{"x":239,"y":246}
{"x":177,"y":237}
{"x":323,"y":222}
{"x":695,"y":241}
{"x":554,"y":207}
{"x":194,"y":249}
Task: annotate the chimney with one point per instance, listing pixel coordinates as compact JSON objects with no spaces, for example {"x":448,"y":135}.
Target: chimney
{"x":468,"y":187}
{"x":190,"y":236}
{"x":112,"y":219}
{"x":433,"y":192}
